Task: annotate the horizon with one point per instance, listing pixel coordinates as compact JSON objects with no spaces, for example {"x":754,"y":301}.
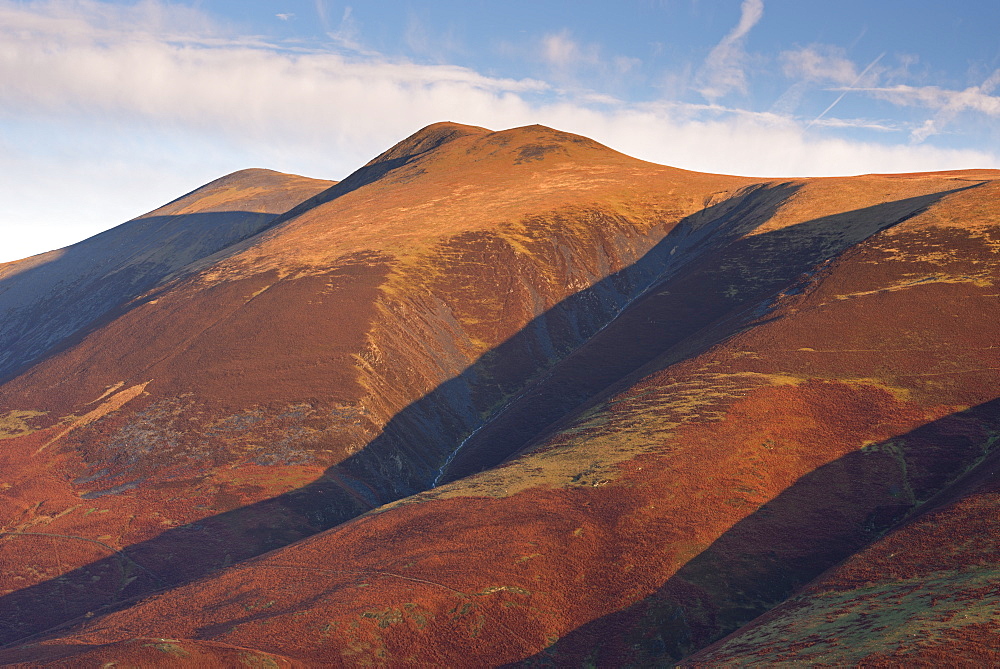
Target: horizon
{"x":128,"y":105}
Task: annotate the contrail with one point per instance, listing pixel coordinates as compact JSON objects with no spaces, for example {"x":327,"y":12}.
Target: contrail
{"x":847,"y":90}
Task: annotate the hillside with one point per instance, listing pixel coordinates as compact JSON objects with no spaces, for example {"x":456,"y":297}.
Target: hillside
{"x":53,"y":296}
{"x":499,"y":397}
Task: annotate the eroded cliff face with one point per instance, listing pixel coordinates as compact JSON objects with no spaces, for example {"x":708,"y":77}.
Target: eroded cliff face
{"x":622,"y":409}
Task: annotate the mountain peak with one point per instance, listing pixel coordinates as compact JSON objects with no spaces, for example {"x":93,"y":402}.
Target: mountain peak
{"x":403,"y":153}
{"x":537,"y":142}
{"x":462,"y":143}
{"x":252,"y":176}
{"x":424,"y":140}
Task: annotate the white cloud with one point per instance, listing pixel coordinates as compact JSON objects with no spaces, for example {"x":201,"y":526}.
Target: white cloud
{"x":233,"y":88}
{"x":724,"y":68}
{"x":750,"y":144}
{"x":562,"y":52}
{"x":972,"y":99}
{"x":125,"y":109}
{"x":866,"y":124}
{"x":947,"y":104}
{"x":819,"y":63}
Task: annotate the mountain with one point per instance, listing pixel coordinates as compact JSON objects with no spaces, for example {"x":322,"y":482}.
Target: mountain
{"x":503,"y":397}
{"x":53,"y":296}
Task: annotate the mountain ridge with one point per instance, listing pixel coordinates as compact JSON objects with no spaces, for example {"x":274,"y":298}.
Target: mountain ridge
{"x":651,"y":367}
{"x":90,"y":279}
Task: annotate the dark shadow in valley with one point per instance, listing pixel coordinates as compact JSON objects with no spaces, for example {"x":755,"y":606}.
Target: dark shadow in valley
{"x":732,"y":275}
{"x":732,"y":285}
{"x":823,"y":518}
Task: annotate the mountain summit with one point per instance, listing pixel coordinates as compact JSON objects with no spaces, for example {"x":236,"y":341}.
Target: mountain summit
{"x":505,"y":397}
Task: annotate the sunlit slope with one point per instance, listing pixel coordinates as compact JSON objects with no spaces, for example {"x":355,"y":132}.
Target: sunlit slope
{"x":49,"y":298}
{"x":820,"y":364}
{"x":325,"y":366}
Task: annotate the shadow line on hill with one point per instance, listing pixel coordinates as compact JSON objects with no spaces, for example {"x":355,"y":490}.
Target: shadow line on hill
{"x":93,"y":282}
{"x":819,"y":521}
{"x":366,"y":480}
{"x":731,"y":286}
{"x":97,"y":294}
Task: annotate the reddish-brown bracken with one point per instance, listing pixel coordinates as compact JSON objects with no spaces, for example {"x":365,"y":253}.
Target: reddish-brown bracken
{"x":505,"y":397}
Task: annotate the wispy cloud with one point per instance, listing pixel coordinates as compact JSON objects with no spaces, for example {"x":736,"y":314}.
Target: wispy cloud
{"x":323,"y":15}
{"x":348,"y":33}
{"x":427,"y":41}
{"x":566,"y":56}
{"x":724,"y":70}
{"x":863,"y":123}
{"x":562,"y":51}
{"x":819,"y":63}
{"x":974,"y":98}
{"x":578,"y":68}
{"x":848,"y":89}
{"x":824,"y":64}
{"x":947,"y":104}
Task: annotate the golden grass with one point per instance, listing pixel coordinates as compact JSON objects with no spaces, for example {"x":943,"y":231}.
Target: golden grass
{"x":17,"y":423}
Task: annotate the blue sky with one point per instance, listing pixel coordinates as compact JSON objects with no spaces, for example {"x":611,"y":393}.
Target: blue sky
{"x":109,"y":109}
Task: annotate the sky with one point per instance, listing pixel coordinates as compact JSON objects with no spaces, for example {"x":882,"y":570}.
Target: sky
{"x":111,"y":109}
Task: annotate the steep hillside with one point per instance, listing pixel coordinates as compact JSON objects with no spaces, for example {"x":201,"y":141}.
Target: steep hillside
{"x":49,"y":298}
{"x":515,"y":397}
{"x":323,"y":367}
{"x":926,"y":594}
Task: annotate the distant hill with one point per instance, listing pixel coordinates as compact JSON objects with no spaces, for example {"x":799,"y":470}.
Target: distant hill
{"x":508,"y":397}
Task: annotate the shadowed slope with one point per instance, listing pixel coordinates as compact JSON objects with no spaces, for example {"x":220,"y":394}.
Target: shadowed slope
{"x":888,"y":321}
{"x":819,"y":520}
{"x":613,"y":504}
{"x":744,"y":258}
{"x":926,"y":594}
{"x":50,"y":297}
